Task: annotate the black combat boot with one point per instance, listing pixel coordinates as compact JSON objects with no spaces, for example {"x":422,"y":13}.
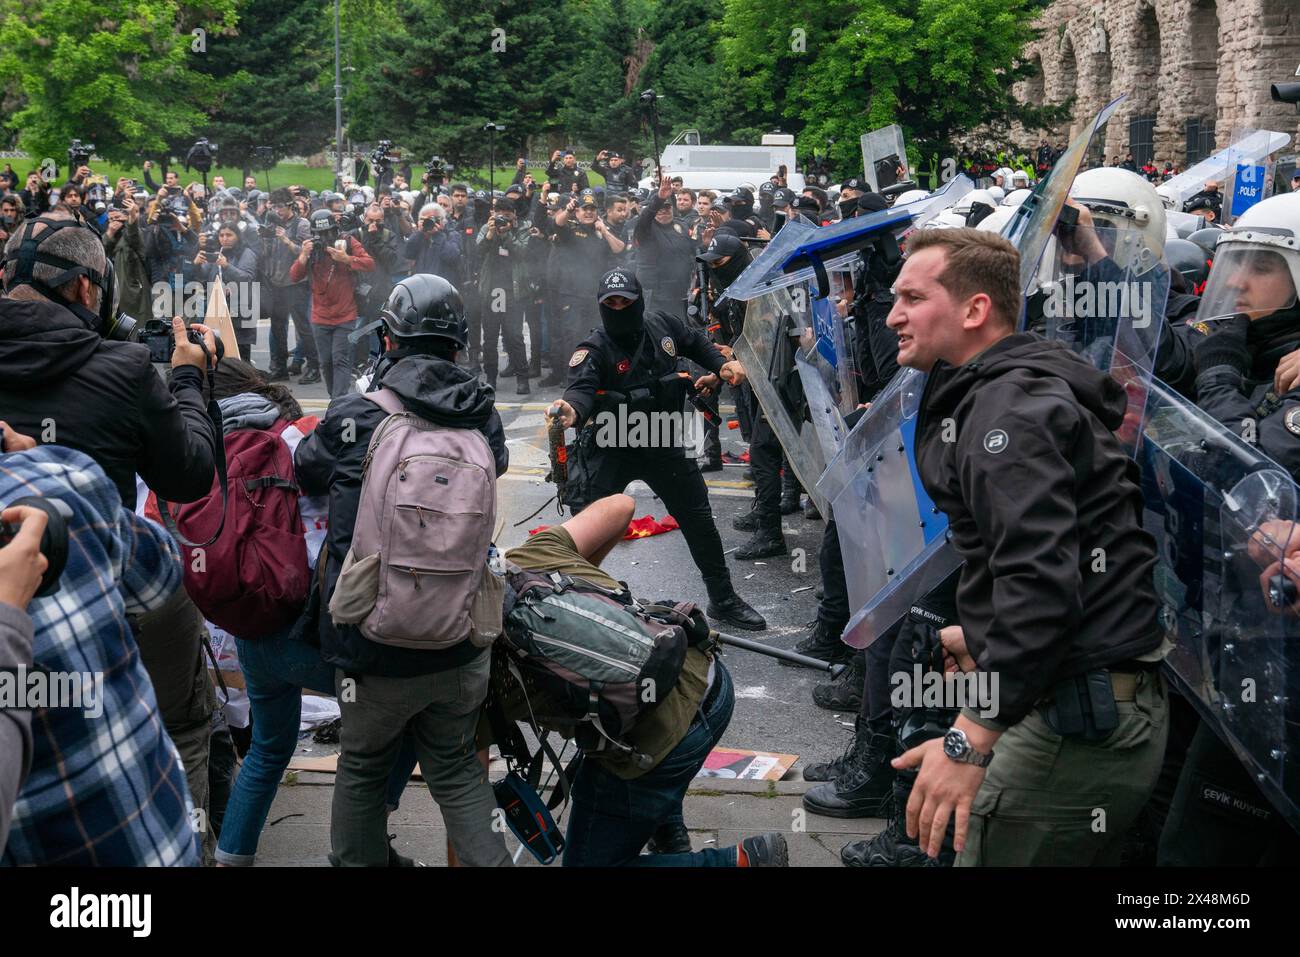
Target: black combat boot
{"x":866,"y":786}
{"x":747,"y":522}
{"x":845,"y":692}
{"x":765,"y":543}
{"x":830,"y":770}
{"x":823,"y":642}
{"x":892,"y":847}
{"x":734,"y":610}
{"x":521,"y":386}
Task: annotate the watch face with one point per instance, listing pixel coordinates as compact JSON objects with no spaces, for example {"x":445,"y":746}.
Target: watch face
{"x":954,"y":744}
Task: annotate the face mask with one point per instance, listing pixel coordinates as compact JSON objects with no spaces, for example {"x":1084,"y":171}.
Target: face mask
{"x":728,"y":273}
{"x":624,"y":326}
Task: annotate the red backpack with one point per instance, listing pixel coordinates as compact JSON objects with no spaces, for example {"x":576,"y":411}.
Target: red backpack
{"x":253,"y":580}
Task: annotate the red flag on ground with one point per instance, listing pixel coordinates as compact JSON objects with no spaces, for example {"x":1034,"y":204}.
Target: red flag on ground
{"x":642,"y":527}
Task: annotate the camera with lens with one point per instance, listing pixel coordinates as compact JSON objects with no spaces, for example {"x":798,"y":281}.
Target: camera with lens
{"x":201,"y":155}
{"x":79,"y":154}
{"x":158,"y":337}
{"x":54,"y":540}
{"x":437,"y":170}
{"x":502,"y":223}
{"x":209,"y":245}
{"x":381,"y":159}
{"x":266,"y":230}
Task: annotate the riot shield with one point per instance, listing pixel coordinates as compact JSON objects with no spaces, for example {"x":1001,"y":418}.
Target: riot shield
{"x":785,"y":286}
{"x":1251,"y":147}
{"x":1223,"y":515}
{"x":883,"y":156}
{"x":800,"y":252}
{"x":816,"y":376}
{"x":776,"y":325}
{"x":1030,"y":229}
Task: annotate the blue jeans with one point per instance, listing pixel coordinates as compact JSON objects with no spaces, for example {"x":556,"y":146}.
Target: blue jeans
{"x":611,"y":819}
{"x":276,"y":670}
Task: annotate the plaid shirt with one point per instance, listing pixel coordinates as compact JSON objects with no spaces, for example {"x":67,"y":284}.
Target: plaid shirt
{"x":107,"y":790}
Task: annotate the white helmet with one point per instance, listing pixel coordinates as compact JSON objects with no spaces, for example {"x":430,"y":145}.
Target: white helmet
{"x":1128,"y":212}
{"x":998,"y":193}
{"x":1020,"y":179}
{"x":1256,"y":267}
{"x":948,"y":219}
{"x":1006,"y":173}
{"x":979,"y":203}
{"x":997,"y":220}
{"x":911,"y":196}
{"x":1016,"y":197}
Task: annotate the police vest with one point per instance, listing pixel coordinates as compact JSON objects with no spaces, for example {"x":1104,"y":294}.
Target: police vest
{"x":645,"y":380}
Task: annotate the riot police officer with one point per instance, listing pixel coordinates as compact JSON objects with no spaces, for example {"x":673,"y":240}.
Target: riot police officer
{"x":624,"y":378}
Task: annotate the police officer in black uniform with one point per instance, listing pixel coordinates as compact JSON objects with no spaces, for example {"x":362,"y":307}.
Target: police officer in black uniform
{"x":636,"y":360}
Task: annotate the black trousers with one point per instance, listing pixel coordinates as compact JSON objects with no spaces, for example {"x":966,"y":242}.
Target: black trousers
{"x":507,"y":325}
{"x":287,"y":301}
{"x":765,"y":460}
{"x":575,"y":317}
{"x":678,"y":483}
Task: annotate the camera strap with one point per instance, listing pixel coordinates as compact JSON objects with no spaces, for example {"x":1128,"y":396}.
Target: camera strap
{"x":214,"y":414}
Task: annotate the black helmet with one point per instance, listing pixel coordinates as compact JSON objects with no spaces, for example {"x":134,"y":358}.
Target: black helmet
{"x":1190,"y":259}
{"x":1206,"y":238}
{"x":426,"y":305}
{"x":322,"y":223}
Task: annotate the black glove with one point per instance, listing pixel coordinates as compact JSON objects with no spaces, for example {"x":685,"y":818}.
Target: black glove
{"x":1226,"y":346}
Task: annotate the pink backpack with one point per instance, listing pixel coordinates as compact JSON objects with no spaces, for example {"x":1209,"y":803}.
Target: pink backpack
{"x":424,"y":523}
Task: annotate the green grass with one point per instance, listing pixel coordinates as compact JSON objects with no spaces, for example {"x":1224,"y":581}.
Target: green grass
{"x":284,"y":174}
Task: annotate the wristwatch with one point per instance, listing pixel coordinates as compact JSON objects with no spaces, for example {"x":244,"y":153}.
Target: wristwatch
{"x":957,"y":747}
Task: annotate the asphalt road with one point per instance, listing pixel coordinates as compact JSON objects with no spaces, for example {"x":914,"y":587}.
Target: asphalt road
{"x":774,"y":709}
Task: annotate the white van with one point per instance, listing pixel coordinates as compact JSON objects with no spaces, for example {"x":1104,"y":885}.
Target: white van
{"x":724,"y":168}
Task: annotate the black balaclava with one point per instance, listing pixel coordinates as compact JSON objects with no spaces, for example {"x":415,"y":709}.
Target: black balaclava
{"x":728,"y":274}
{"x":624,"y":326}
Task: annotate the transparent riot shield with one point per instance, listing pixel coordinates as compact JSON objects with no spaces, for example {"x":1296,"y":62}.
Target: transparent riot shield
{"x":818,"y":377}
{"x":884,"y":157}
{"x":833,"y":340}
{"x":1224,"y":519}
{"x":1030,"y":229}
{"x":786,"y":287}
{"x":1254,"y":146}
{"x":776,"y":326}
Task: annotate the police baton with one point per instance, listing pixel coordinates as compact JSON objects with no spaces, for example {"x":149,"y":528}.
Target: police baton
{"x":749,"y":644}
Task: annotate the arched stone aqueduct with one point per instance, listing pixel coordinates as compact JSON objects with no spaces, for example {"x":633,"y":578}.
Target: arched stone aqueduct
{"x":1196,"y":71}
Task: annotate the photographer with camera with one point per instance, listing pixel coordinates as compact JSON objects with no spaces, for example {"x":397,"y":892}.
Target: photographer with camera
{"x":564,"y":174}
{"x":36,"y":196}
{"x":282,"y":237}
{"x":435,"y":249}
{"x":383,"y":246}
{"x":66,"y":376}
{"x":170,"y":245}
{"x":503,"y":290}
{"x":124,"y":245}
{"x":618,"y":177}
{"x":583,"y":251}
{"x":224,"y":253}
{"x":331,"y":259}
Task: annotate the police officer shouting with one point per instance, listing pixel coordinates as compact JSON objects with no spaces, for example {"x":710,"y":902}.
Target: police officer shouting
{"x":633,"y":369}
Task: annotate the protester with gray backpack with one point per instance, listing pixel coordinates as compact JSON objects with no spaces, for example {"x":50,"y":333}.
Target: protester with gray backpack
{"x":410,"y":469}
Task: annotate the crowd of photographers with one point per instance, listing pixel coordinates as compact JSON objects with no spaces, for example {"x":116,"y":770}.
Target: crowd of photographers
{"x":457,"y":276}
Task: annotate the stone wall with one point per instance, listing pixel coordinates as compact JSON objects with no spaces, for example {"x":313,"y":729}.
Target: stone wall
{"x":1176,"y":59}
